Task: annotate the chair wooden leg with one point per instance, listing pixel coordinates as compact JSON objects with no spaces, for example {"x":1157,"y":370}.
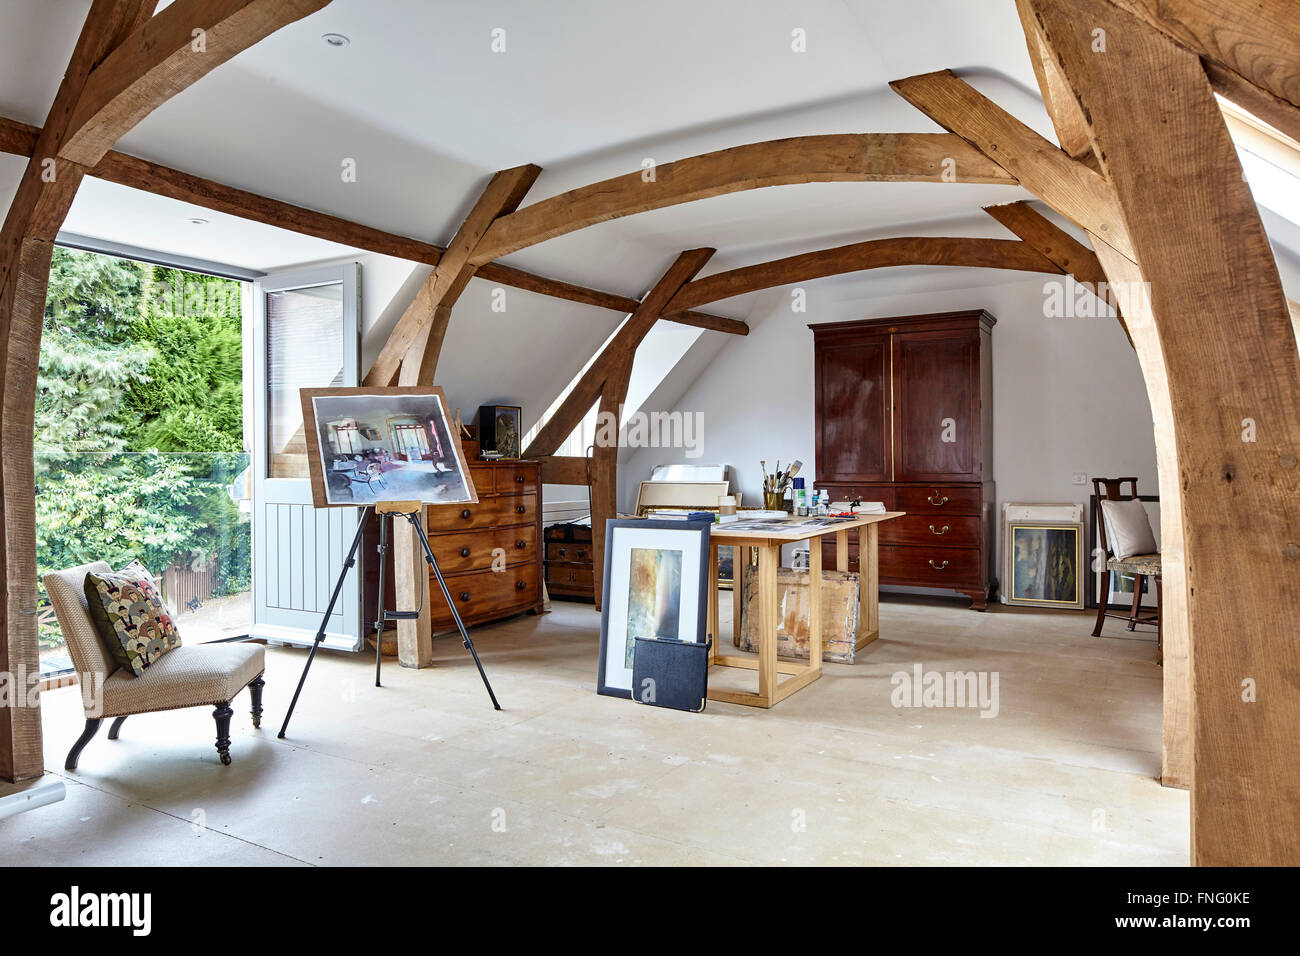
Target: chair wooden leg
{"x":1160,"y":624}
{"x":1133,"y":613}
{"x":92,"y":728}
{"x":1103,"y":598}
{"x":115,"y":727}
{"x":222,"y":715}
{"x":255,"y":693}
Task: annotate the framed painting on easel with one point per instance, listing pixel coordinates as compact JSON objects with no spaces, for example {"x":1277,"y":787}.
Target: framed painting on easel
{"x":372,"y":445}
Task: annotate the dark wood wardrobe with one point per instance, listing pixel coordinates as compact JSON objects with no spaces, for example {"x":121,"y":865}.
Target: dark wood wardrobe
{"x":905,"y":416}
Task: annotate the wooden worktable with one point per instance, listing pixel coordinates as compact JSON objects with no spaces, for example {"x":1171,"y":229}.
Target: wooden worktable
{"x":771,"y":688}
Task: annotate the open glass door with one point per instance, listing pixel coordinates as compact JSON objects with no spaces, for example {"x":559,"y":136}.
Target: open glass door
{"x":306,"y":334}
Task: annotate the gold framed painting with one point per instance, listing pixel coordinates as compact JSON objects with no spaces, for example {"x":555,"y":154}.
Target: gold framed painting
{"x":1042,"y":563}
{"x":366,"y":446}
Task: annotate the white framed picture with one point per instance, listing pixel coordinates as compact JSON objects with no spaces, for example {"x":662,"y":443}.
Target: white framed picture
{"x":656,"y":585}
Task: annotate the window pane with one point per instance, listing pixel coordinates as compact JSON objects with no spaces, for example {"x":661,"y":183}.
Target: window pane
{"x":304,"y":349}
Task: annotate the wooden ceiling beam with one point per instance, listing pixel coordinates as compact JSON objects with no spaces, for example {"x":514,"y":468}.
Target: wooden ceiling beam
{"x":503,"y":193}
{"x":1070,"y":187}
{"x":587,"y":390}
{"x":160,"y":180}
{"x":1071,"y":128}
{"x":19,"y":139}
{"x":1259,"y":41}
{"x":162,"y":57}
{"x":847,"y":157}
{"x":861,"y":256}
{"x":518,"y":279}
{"x":125,"y":170}
{"x":1069,"y":254}
{"x":1260,"y":103}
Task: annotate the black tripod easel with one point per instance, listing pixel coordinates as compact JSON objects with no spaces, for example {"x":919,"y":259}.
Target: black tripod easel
{"x":386,"y":512}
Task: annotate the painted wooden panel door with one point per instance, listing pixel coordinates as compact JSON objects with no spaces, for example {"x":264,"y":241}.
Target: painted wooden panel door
{"x":936,"y":406}
{"x":306,"y":334}
{"x":853,"y":407}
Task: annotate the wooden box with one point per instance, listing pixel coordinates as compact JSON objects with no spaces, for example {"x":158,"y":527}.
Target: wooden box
{"x":839,"y":614}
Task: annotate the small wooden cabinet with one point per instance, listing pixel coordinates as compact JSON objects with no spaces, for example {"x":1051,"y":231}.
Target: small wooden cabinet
{"x":570,"y":569}
{"x":904,"y":412}
{"x":490,"y":552}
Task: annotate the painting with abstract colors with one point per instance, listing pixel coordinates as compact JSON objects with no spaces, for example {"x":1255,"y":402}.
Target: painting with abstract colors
{"x":654,"y":596}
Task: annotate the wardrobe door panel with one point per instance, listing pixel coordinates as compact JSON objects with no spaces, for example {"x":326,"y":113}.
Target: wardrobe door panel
{"x":853,"y":442}
{"x":937,"y":429}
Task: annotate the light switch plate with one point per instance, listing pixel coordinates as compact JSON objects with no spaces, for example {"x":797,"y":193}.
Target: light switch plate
{"x":1080,"y":478}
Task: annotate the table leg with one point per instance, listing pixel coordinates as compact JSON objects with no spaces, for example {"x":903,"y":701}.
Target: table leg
{"x":739,"y":556}
{"x":868,"y":584}
{"x":713,"y":601}
{"x":769,"y":557}
{"x":841,"y":550}
{"x":815,"y":603}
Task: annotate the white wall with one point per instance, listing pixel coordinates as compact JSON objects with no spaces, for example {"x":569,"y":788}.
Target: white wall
{"x":1068,"y":394}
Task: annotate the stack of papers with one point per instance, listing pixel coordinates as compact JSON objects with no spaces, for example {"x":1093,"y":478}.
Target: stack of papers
{"x":863,"y":507}
{"x":660,"y":514}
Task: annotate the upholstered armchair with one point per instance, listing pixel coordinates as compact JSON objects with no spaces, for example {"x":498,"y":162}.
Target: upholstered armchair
{"x":188,"y":676}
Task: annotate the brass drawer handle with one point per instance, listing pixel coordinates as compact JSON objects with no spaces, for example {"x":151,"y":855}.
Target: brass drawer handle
{"x":938,"y":567}
{"x":464,"y":552}
{"x":944,"y":531}
{"x":941,"y":501}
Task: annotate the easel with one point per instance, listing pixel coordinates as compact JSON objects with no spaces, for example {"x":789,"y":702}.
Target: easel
{"x":387,"y":511}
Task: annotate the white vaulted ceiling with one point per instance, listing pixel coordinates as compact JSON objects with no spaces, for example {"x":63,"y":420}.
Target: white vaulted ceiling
{"x":586,"y":89}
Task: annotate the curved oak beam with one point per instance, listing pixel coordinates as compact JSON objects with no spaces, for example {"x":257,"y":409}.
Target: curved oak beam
{"x":168,"y":53}
{"x":859,"y":257}
{"x":832,"y":158}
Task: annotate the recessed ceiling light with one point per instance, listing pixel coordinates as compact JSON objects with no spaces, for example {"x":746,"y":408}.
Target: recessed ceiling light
{"x":336,"y":39}
{"x":197,"y":222}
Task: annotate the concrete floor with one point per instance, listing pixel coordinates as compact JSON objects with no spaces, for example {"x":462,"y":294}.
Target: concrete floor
{"x":423,"y":771}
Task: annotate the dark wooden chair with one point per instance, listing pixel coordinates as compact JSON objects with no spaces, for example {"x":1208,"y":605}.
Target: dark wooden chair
{"x":1141,"y":566}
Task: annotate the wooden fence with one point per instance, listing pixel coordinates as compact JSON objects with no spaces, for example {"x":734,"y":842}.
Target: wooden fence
{"x":184,"y":588}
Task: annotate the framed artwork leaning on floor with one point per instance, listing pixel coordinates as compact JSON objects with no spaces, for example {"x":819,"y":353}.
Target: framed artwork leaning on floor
{"x":1043,"y":563}
{"x":656,"y":585}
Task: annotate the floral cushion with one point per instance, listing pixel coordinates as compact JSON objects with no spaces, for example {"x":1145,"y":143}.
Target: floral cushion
{"x":135,"y":625}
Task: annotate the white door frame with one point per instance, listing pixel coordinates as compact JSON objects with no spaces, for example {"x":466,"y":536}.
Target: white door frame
{"x":298,"y":550}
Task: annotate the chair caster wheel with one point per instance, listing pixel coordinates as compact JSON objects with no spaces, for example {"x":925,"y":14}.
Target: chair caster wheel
{"x":225,"y":759}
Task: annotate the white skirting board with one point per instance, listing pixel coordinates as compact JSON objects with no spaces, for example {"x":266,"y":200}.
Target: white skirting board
{"x":41,"y":795}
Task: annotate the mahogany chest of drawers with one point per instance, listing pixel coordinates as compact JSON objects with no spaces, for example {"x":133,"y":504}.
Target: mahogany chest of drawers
{"x":490,"y":552}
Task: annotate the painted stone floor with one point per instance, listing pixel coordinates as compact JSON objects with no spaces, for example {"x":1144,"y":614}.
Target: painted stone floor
{"x":423,"y":771}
